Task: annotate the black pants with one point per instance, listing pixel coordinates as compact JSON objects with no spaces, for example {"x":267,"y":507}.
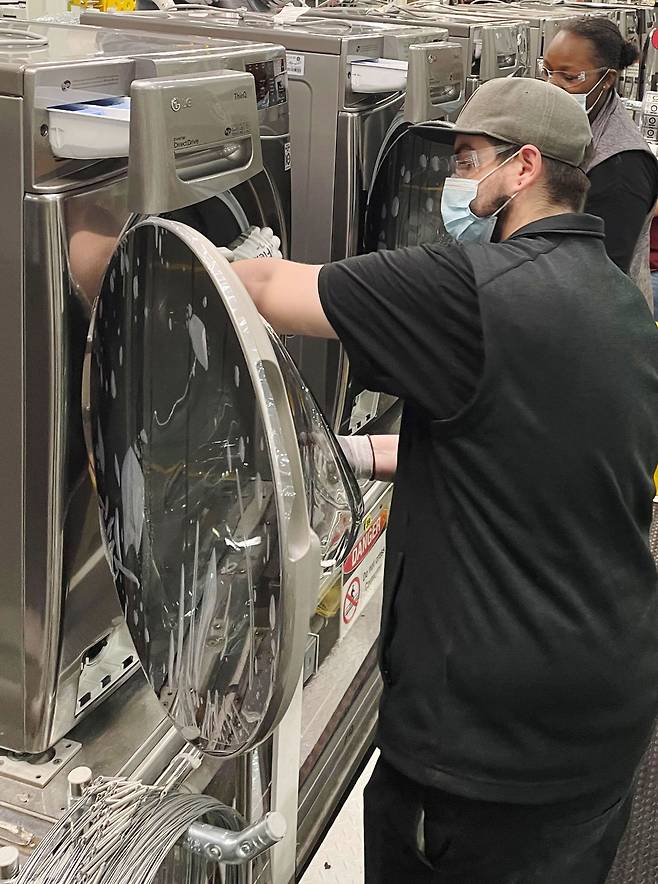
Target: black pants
{"x":479,"y":842}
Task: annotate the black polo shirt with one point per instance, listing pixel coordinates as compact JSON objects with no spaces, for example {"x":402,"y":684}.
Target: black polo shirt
{"x":519,"y":642}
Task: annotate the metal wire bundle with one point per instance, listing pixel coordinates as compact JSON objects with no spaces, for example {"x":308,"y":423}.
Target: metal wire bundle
{"x":121,"y":832}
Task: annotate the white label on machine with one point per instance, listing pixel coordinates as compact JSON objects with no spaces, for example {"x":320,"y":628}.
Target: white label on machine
{"x":287,"y":158}
{"x":295,"y":63}
{"x":363,"y":569}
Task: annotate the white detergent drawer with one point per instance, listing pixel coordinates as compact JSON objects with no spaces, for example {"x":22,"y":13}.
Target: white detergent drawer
{"x":375,"y":75}
{"x":90,"y":130}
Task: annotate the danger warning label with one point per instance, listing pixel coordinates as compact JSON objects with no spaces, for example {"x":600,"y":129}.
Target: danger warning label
{"x":363,"y":569}
{"x":365,"y":543}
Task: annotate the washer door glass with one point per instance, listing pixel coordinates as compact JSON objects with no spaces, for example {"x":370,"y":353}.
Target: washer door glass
{"x":200,"y":487}
{"x":333,"y":495}
{"x":404,"y":207}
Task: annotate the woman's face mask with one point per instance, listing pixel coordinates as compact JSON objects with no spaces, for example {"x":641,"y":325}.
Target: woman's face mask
{"x":458,"y":219}
{"x":581,"y":97}
{"x":569,"y":80}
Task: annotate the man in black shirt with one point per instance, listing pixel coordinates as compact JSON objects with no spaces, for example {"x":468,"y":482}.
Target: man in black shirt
{"x":519,"y":640}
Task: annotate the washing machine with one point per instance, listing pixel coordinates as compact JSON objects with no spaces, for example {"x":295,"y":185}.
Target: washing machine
{"x":543,"y":22}
{"x":342,"y":105}
{"x":489,"y":49}
{"x":173,"y":495}
{"x":71,"y":191}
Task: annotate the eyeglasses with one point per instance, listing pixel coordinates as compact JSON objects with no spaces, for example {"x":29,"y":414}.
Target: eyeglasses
{"x":565,"y":79}
{"x":467,"y":161}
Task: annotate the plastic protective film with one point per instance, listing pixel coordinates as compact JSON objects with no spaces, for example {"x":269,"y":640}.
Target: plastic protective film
{"x":194,"y":486}
{"x":333,"y":496}
{"x":404,"y":207}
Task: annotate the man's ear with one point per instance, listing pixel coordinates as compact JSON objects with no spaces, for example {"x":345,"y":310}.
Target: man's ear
{"x":529,"y":166}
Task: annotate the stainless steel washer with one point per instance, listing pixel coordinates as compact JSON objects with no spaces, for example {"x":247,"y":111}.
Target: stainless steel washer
{"x":337,"y":133}
{"x":68,"y":199}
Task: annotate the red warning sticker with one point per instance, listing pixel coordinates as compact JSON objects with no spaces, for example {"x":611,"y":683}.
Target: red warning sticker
{"x":351,"y":602}
{"x":366,"y":542}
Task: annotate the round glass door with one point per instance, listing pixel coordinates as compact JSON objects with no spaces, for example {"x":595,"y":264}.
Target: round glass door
{"x":404,"y":209}
{"x":404,"y":205}
{"x":199,"y":486}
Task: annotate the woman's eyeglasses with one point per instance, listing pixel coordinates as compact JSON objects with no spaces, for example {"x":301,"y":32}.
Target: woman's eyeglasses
{"x":565,"y":79}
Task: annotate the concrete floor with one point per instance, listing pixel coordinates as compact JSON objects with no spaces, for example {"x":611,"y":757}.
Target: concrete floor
{"x":339,"y":859}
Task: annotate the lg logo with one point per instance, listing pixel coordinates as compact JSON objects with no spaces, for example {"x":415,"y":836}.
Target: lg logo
{"x":177,"y":105}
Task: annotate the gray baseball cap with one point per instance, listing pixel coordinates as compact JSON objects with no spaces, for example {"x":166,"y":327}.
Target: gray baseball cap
{"x":523,"y":111}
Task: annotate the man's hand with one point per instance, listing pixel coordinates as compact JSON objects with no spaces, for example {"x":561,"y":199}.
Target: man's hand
{"x":256,"y":242}
{"x":371,"y":457}
{"x":359,"y":454}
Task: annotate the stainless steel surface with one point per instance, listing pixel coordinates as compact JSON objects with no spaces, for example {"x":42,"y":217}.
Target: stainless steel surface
{"x":326,"y":692}
{"x":9,"y":863}
{"x":70,"y":45}
{"x":12,"y":458}
{"x":359,"y":139}
{"x":304,"y":35}
{"x":489,"y":48}
{"x":78,"y":780}
{"x":170,"y":115}
{"x":325,"y":785}
{"x":543,"y":23}
{"x":237,"y":848}
{"x":39,"y":770}
{"x":114,"y":741}
{"x":436,"y":81}
{"x":64,"y":635}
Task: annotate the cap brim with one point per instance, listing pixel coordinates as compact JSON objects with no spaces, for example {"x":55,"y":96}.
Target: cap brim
{"x":459,"y":130}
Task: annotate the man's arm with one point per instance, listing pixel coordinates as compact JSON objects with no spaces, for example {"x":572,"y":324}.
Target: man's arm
{"x":286,"y":295}
{"x":385,"y":449}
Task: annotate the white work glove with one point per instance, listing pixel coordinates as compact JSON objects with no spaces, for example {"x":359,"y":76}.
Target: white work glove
{"x":256,"y":242}
{"x":359,"y":454}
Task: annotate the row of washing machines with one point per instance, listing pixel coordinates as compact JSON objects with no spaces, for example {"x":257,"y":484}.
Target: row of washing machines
{"x":191,"y":576}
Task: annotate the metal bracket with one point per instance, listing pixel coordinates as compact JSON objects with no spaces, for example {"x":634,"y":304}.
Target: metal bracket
{"x":236,"y":848}
{"x":39,"y":770}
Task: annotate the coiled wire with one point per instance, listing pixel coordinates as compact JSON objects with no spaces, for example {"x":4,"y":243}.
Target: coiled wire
{"x":123,"y":832}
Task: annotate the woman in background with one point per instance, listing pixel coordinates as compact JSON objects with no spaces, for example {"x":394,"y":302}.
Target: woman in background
{"x":653,"y":262}
{"x":585,"y":59}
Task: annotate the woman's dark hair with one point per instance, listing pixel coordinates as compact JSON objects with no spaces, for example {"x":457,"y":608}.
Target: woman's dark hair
{"x":610,"y":48}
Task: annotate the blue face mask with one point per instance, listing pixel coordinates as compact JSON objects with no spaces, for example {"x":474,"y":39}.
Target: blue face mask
{"x":458,"y":220}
